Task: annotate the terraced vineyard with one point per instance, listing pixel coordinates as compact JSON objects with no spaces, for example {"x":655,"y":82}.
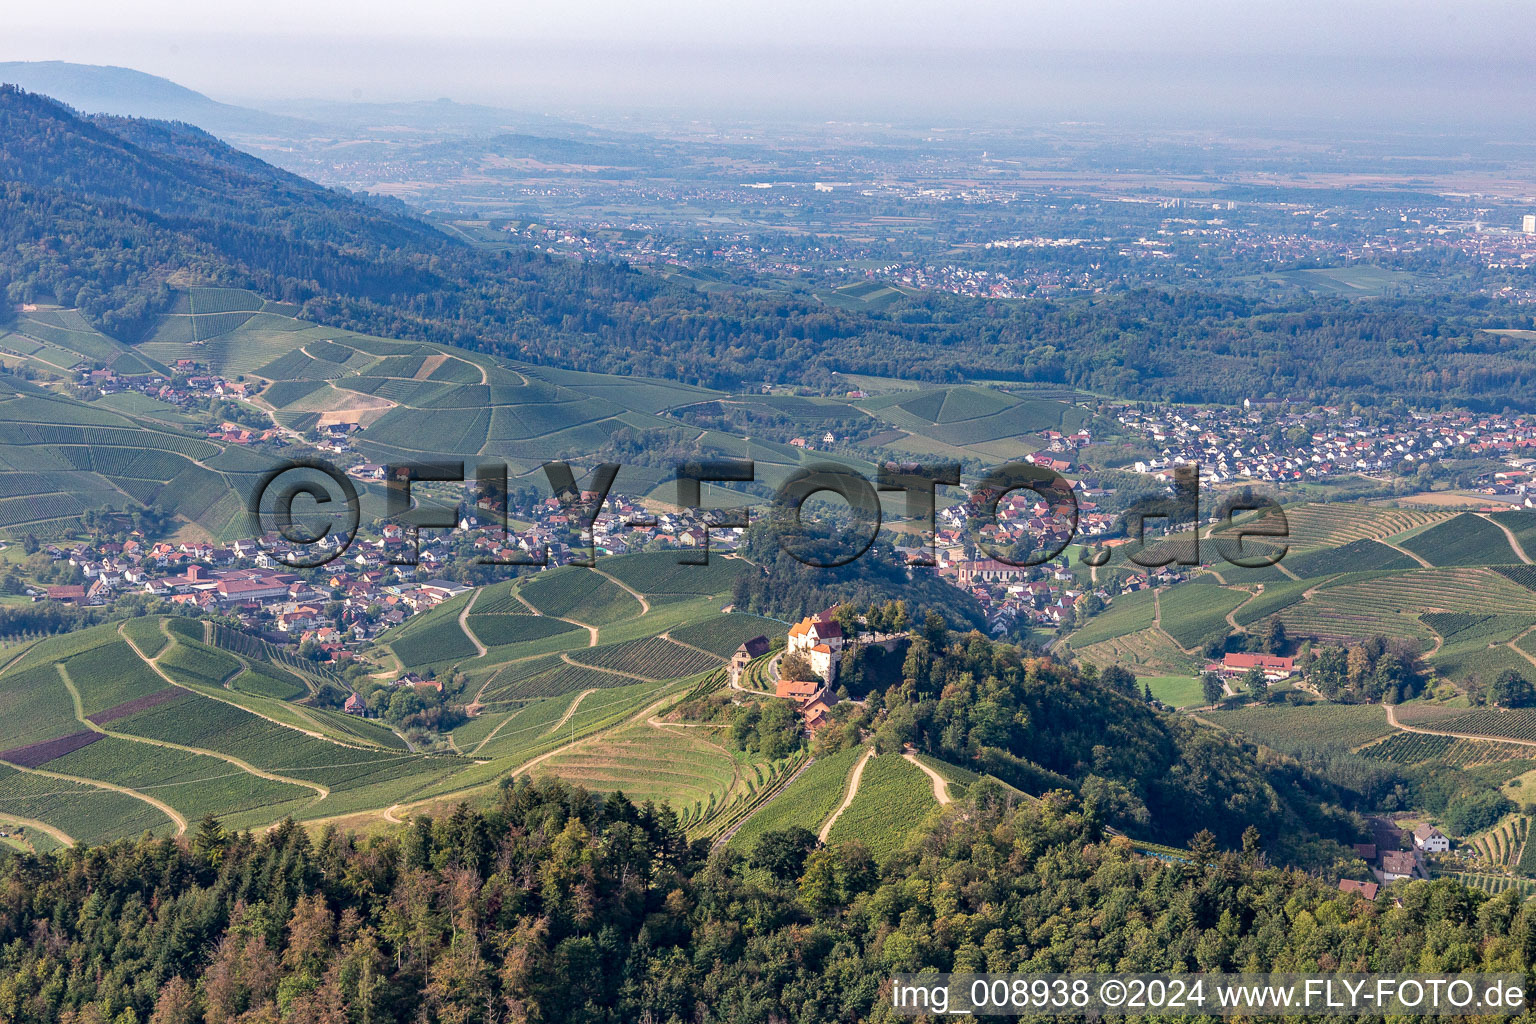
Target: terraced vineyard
{"x":1150,"y":650}
{"x":1334,"y":524}
{"x":1388,"y":605}
{"x":805,"y":803}
{"x":759,"y":784}
{"x":1494,"y":884}
{"x":1502,"y":845}
{"x":677,"y":766}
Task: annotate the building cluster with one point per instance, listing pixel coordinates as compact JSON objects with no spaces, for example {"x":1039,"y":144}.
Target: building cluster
{"x":193,"y":383}
{"x":1390,"y":862}
{"x":1275,"y":442}
{"x":818,"y":639}
{"x":621,"y":527}
{"x":376,"y":584}
{"x":339,"y":607}
{"x":1018,"y":595}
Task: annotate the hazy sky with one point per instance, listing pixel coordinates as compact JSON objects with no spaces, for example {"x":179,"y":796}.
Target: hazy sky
{"x":1355,"y":59}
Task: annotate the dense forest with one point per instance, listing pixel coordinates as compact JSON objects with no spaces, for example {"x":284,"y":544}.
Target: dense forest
{"x":555,"y":905}
{"x":103,"y":212}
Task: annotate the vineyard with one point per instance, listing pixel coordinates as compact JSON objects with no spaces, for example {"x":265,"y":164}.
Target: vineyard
{"x":194,"y":784}
{"x":1318,"y":727}
{"x":109,"y":675}
{"x":1466,"y":539}
{"x":1336,"y":524}
{"x":499,"y":630}
{"x":432,"y":638}
{"x":1502,"y":845}
{"x":146,"y":634}
{"x":1388,"y":605}
{"x":1418,"y":748}
{"x":1472,"y":629}
{"x":86,"y":813}
{"x":568,"y":590}
{"x":893,"y":799}
{"x":1150,"y":650}
{"x":806,"y":802}
{"x":212,"y":725}
{"x":652,"y":657}
{"x":722,"y":634}
{"x":512,"y":735}
{"x":1514,"y":723}
{"x":677,"y":766}
{"x":254,"y":648}
{"x":758,"y":783}
{"x":198,"y":665}
{"x":658,"y":574}
{"x":564,"y":678}
{"x":1521,"y":575}
{"x":1494,"y":884}
{"x":1192,"y":614}
{"x":1129,"y":613}
{"x":1356,"y":556}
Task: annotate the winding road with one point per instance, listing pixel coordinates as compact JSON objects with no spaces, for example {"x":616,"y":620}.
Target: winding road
{"x":940,"y":786}
{"x":854,"y":778}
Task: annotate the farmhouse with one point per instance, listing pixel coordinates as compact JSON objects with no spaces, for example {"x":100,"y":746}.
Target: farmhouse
{"x":354,"y":705}
{"x":1274,"y":667}
{"x":1431,"y":840}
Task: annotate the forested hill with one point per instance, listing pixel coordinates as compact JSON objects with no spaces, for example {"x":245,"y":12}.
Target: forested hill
{"x":556,"y":906}
{"x":102,"y":212}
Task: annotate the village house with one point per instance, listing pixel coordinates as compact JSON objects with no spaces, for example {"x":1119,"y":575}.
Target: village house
{"x":1366,"y":890}
{"x":1400,"y":864}
{"x":1431,"y":840}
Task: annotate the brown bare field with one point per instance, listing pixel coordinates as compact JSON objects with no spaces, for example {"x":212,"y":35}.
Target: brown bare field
{"x":430,"y":364}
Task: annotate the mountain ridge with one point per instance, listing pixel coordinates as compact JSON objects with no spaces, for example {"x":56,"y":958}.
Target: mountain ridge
{"x":127,"y":92}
